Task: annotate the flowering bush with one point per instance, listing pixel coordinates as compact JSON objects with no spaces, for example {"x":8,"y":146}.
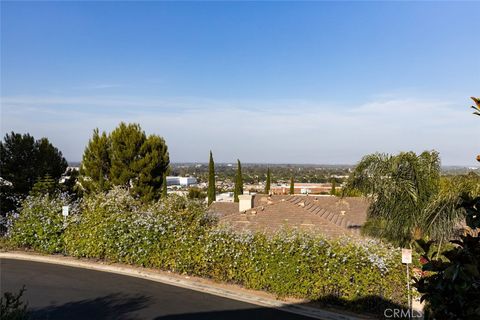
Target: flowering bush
{"x":304,"y":266}
{"x":117,"y":227}
{"x":40,"y":225}
{"x":175,"y":234}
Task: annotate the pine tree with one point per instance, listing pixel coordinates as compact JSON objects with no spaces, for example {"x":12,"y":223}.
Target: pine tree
{"x":95,"y":167}
{"x":292,"y":186}
{"x":150,"y":168}
{"x":49,"y":160}
{"x":211,"y":180}
{"x":45,"y":185}
{"x":267,"y":184}
{"x":126,"y":157}
{"x":126,"y":141}
{"x":22,"y":160}
{"x":16,"y":154}
{"x":334,"y":189}
{"x":238,"y":183}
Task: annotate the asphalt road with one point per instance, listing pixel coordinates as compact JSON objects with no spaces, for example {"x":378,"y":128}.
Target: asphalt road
{"x":60,"y":292}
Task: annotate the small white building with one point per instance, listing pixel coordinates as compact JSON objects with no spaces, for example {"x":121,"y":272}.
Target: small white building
{"x":305,"y":191}
{"x":181,"y":181}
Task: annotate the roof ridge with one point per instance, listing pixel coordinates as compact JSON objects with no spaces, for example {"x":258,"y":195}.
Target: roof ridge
{"x":329,"y":217}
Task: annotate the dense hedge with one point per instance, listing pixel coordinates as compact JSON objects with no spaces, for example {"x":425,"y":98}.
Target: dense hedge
{"x":176,"y":235}
{"x":40,"y":224}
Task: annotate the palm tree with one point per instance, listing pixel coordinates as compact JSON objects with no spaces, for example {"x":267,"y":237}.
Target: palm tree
{"x":477,"y":112}
{"x":477,"y":107}
{"x":450,"y":287}
{"x":409,"y":199}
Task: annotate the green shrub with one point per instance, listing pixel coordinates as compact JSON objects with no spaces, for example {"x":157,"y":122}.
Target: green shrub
{"x":305,"y":266}
{"x":39,"y":224}
{"x":196,"y":193}
{"x":450,"y":284}
{"x":175,"y":234}
{"x":117,"y":227}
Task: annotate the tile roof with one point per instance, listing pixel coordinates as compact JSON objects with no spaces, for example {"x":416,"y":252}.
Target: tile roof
{"x":330,"y":216}
{"x":221,"y":209}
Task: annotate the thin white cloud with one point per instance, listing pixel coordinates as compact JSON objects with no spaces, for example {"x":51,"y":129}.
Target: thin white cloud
{"x":283,"y":131}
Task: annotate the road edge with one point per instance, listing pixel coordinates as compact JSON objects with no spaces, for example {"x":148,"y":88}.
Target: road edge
{"x":183,"y":283}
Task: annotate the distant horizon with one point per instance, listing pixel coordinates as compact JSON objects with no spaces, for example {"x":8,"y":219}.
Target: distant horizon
{"x":233,"y":163}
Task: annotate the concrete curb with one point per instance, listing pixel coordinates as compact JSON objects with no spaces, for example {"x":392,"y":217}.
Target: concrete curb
{"x":183,"y":283}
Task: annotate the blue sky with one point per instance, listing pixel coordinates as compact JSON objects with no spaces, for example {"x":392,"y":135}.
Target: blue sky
{"x":282,"y":82}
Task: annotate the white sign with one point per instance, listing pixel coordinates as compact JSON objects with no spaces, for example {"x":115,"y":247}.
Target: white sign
{"x":407,"y":256}
{"x":65,"y":211}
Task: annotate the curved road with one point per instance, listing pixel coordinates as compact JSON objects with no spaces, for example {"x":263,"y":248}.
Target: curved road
{"x":60,"y":292}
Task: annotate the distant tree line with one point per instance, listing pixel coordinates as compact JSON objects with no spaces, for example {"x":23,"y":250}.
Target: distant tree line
{"x":256,"y":173}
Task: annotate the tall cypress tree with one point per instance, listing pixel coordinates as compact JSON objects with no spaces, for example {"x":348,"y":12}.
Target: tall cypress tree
{"x":267,"y":184}
{"x":211,"y":180}
{"x":238,"y":182}
{"x":292,"y":186}
{"x":334,"y":188}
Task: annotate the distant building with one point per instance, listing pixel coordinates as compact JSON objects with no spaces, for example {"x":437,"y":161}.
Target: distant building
{"x":303,"y":188}
{"x":181,"y":181}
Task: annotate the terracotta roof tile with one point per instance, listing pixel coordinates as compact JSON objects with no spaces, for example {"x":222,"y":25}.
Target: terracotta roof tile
{"x":221,"y":209}
{"x":330,"y":216}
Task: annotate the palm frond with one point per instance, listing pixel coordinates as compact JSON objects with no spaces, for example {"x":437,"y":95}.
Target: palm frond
{"x":408,"y":196}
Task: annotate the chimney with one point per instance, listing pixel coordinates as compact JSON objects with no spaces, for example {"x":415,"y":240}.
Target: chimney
{"x":245,"y":202}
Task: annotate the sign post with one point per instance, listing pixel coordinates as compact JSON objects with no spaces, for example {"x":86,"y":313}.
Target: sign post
{"x":65,"y":210}
{"x":407,"y":259}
